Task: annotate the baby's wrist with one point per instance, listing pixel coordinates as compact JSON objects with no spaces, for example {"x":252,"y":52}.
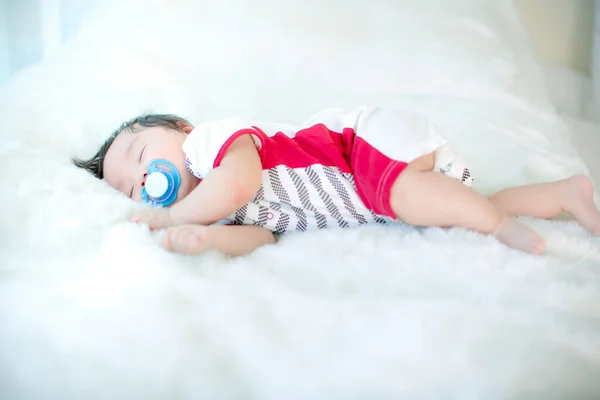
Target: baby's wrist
{"x":208,"y":237}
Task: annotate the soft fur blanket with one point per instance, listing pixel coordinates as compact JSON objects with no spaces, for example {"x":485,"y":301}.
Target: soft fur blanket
{"x":92,"y":307}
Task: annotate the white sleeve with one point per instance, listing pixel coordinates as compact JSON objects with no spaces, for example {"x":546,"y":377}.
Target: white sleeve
{"x":203,"y":144}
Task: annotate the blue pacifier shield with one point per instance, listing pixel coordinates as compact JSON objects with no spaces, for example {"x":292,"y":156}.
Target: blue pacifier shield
{"x":162,"y":184}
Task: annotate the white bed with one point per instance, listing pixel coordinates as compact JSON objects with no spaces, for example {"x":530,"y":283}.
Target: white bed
{"x":91,"y":307}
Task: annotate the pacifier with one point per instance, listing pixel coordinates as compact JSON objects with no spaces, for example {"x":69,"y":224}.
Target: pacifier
{"x":162,"y":184}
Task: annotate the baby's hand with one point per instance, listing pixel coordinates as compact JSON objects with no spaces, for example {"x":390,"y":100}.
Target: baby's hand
{"x":157,"y":218}
{"x":186,"y":239}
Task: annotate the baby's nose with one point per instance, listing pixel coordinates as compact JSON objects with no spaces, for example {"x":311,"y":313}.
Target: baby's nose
{"x":143,"y":180}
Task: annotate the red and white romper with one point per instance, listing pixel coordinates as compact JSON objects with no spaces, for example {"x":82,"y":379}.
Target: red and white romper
{"x":334,"y":170}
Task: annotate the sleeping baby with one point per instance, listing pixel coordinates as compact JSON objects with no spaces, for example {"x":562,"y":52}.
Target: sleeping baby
{"x":234,"y":185}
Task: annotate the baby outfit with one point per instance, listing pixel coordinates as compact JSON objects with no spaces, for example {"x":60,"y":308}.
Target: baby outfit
{"x":334,"y":170}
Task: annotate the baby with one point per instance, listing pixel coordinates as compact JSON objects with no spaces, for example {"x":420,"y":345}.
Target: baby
{"x":233,"y":185}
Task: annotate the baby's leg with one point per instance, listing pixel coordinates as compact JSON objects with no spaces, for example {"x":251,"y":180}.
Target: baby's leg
{"x":547,"y":200}
{"x":425,"y":198}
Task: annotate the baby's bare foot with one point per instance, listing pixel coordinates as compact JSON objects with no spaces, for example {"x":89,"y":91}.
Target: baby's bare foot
{"x":518,"y":236}
{"x":188,"y":239}
{"x":579,"y":202}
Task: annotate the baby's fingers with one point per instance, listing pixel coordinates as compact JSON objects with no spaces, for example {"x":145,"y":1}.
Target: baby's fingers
{"x":145,"y":217}
{"x":166,"y":239}
{"x":136,"y":217}
{"x":139,"y":217}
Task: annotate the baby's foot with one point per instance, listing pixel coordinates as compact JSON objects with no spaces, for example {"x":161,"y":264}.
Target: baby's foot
{"x":579,"y":202}
{"x":518,"y":236}
{"x":188,"y":239}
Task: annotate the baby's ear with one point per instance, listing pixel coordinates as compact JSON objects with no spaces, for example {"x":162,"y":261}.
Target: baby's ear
{"x":186,"y":128}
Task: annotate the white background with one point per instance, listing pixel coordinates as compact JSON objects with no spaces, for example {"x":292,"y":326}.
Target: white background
{"x":560,"y":30}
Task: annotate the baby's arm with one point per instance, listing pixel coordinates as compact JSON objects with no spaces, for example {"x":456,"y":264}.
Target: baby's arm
{"x":233,"y":240}
{"x":225,"y":189}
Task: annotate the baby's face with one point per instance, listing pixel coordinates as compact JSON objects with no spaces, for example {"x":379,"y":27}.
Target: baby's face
{"x":126,"y":162}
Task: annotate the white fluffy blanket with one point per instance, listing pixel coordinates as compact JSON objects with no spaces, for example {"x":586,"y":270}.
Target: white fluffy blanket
{"x":91,"y":307}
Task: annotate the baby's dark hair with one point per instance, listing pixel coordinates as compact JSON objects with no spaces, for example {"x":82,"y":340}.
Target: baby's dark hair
{"x":95,"y":165}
